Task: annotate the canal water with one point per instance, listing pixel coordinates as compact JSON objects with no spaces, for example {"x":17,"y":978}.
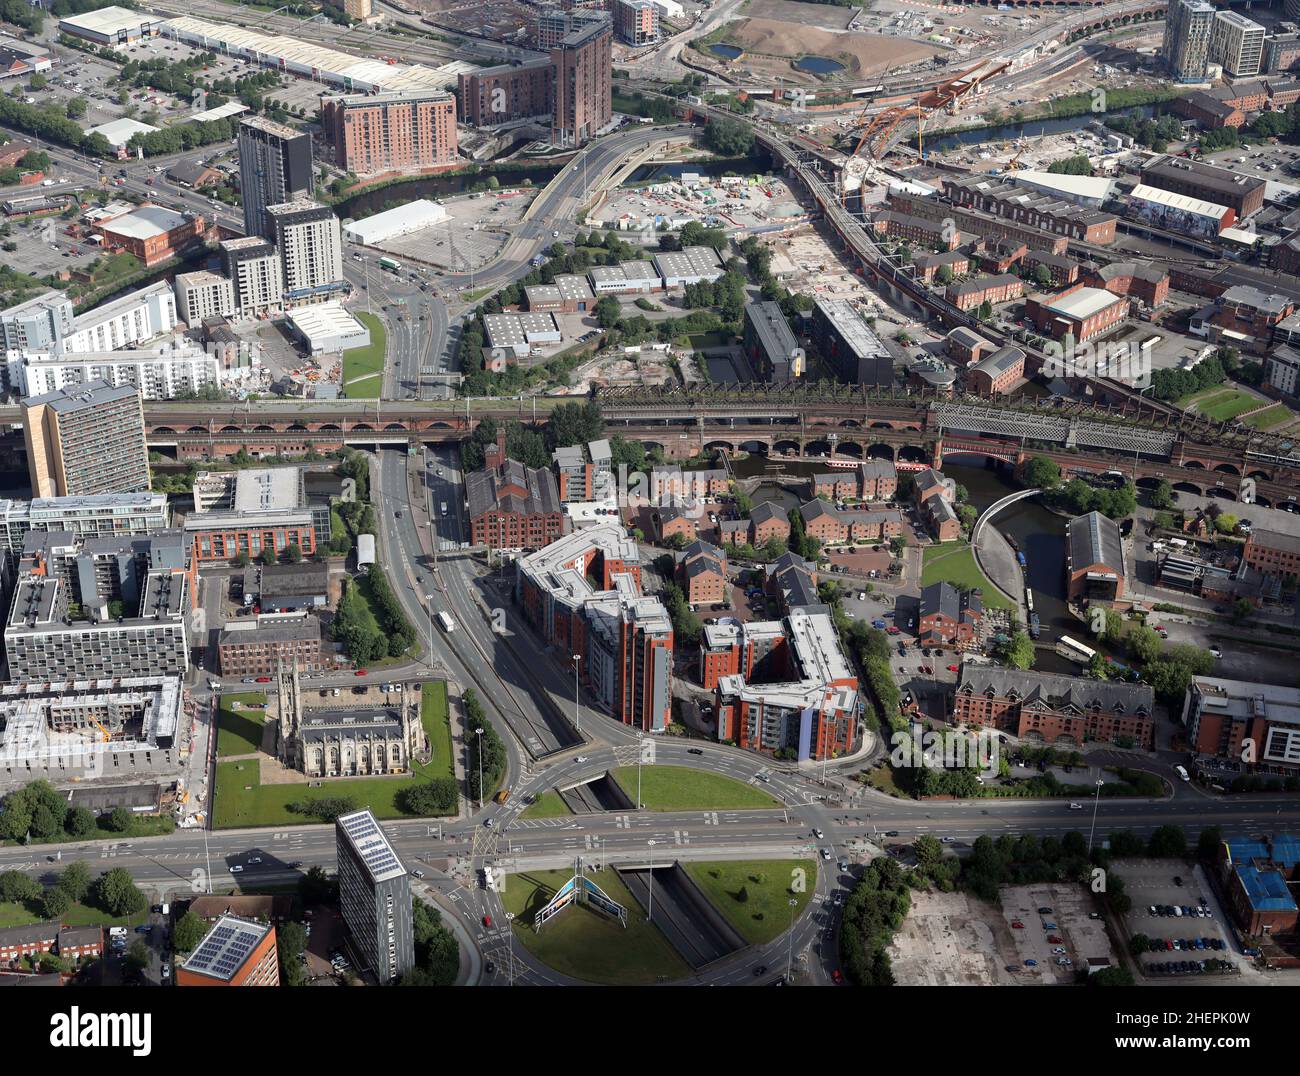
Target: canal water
{"x":1038,"y":533}
{"x":1032,"y":128}
{"x":727,"y":52}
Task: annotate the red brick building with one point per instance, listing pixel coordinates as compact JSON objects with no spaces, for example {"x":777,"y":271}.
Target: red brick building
{"x":970,"y":294}
{"x":669,"y":522}
{"x":917,"y":230}
{"x":1095,"y":567}
{"x":766,"y":521}
{"x":1064,"y":271}
{"x":1042,"y":211}
{"x":1245,"y":317}
{"x":152,"y":233}
{"x":965,"y":346}
{"x":1053,"y":709}
{"x":235,"y":952}
{"x":259,"y":651}
{"x":506,"y":93}
{"x":928,"y":265}
{"x":1256,"y":876}
{"x":999,"y":255}
{"x":1149,"y":283}
{"x":949,"y":617}
{"x":512,"y":506}
{"x":996,"y":373}
{"x":1079,"y":311}
{"x":391,"y":132}
{"x":702,"y":573}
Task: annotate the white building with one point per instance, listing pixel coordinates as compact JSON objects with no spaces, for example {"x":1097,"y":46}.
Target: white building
{"x":160,"y":373}
{"x":1237,"y":43}
{"x":402,"y":220}
{"x":119,"y":132}
{"x":328,"y":327}
{"x":111,"y":26}
{"x":1282,"y":370}
{"x":1091,"y":191}
{"x":310,"y":243}
{"x":256,"y":274}
{"x":691,"y":265}
{"x":203,"y":295}
{"x":133,"y":319}
{"x":670,"y":9}
{"x":513,"y":336}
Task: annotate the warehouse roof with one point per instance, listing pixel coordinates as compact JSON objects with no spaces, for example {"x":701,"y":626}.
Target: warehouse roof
{"x":1186,"y":203}
{"x":1094,"y":539}
{"x":1083,"y":303}
{"x":118,"y":132}
{"x":147,"y":222}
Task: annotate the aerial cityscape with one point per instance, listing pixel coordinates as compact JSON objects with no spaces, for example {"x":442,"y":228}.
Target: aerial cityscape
{"x":650,"y":492}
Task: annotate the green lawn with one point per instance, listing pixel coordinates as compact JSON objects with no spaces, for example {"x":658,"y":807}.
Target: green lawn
{"x":268,"y":805}
{"x":953,"y":562}
{"x":547,"y":805}
{"x":475,"y":295}
{"x":436,"y":716}
{"x":677,"y":788}
{"x":79,"y":915}
{"x":765,"y":913}
{"x":1227,"y":405}
{"x":363,"y":367}
{"x":1274,"y":416}
{"x":239,"y":732}
{"x":363,"y":585}
{"x":585,"y":944}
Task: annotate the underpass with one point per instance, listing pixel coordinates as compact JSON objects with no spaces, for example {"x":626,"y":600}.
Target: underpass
{"x":682,"y":913}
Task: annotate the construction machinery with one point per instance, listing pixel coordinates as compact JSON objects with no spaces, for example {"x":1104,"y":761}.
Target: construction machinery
{"x":877,"y":135}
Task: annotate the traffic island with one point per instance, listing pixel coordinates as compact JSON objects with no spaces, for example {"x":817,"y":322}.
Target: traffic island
{"x":585,"y":943}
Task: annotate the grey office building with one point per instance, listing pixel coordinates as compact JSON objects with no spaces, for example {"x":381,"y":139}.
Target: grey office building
{"x":848,"y":344}
{"x":374,"y":896}
{"x":770,"y":346}
{"x":1189,"y":25}
{"x":274,"y":167}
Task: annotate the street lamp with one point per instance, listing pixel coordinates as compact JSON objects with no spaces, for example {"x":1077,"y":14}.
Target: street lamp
{"x":639,"y":737}
{"x":510,"y":941}
{"x":1093,"y":829}
{"x":789,"y":957}
{"x":479,"y":733}
{"x":429,"y":600}
{"x":651,"y":917}
{"x":577,"y":717}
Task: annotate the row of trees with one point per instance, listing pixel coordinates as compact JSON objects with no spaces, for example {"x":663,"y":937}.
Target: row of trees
{"x":39,"y":812}
{"x":374,"y":629}
{"x":486,"y":753}
{"x":686,"y":625}
{"x":113,"y":892}
{"x":437,"y":954}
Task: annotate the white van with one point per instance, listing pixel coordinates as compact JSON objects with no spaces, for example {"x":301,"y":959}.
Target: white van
{"x":1182,"y":773}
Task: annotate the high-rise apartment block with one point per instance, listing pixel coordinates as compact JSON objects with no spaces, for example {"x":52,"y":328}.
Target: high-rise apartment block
{"x":38,"y":324}
{"x":310,"y":243}
{"x":636,"y":22}
{"x":494,"y":95}
{"x":583,"y":84}
{"x":390,"y":132}
{"x":1237,"y":43}
{"x":86,"y":440}
{"x":374,"y":896}
{"x":256,"y":274}
{"x":274,"y":168}
{"x":573,"y":86}
{"x":1189,"y":25}
{"x":583,"y":592}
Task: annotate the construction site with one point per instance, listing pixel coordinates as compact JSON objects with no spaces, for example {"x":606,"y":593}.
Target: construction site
{"x":92,"y":729}
{"x":739,"y":205}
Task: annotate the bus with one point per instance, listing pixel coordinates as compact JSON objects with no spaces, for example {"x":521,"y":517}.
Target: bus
{"x":1074,"y":650}
{"x":390,"y":264}
{"x":446,"y":621}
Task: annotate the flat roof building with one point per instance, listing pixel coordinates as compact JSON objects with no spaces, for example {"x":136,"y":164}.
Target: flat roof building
{"x":769,"y":344}
{"x":374,"y":896}
{"x":391,"y":132}
{"x":690,"y":265}
{"x":850,"y":345}
{"x":86,"y":440}
{"x":1207,"y":182}
{"x":111,"y":26}
{"x":394,"y":223}
{"x":275,"y":167}
{"x":327,"y":327}
{"x":235,"y":952}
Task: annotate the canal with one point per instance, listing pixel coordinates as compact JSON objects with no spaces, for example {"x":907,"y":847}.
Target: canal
{"x":1038,"y":533}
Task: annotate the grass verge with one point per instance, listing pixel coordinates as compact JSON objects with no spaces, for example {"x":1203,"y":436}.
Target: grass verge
{"x":754,"y":895}
{"x":677,"y":788}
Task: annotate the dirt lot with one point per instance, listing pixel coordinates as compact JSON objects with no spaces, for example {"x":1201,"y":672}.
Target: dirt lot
{"x":951,"y":939}
{"x":769,"y":43}
{"x":1082,"y":938}
{"x":823,"y":15}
